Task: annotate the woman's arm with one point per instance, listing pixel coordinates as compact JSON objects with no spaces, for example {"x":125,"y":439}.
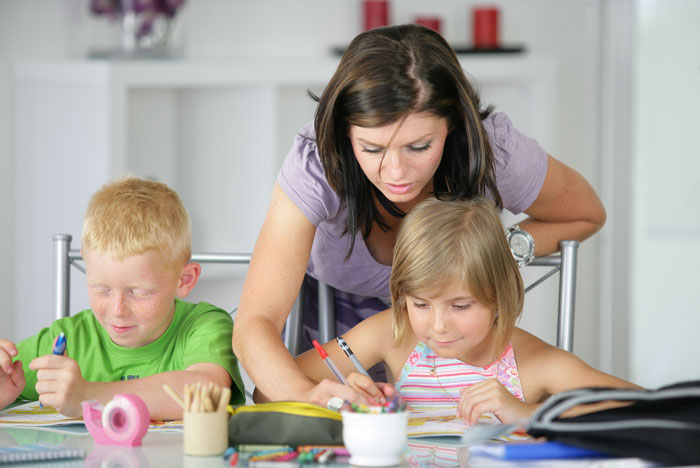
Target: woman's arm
{"x":371,"y":342}
{"x":272,"y":283}
{"x":567,"y":208}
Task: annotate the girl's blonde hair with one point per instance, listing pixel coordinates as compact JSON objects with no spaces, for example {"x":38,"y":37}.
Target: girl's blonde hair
{"x":131,"y":216}
{"x":443,"y":242}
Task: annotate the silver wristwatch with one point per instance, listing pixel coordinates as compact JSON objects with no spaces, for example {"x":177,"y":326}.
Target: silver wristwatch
{"x":521,"y":244}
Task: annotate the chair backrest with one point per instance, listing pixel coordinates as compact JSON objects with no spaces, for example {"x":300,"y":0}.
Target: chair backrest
{"x":64,"y":257}
{"x":565,"y":263}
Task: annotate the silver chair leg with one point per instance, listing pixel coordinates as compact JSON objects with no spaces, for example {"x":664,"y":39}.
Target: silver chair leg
{"x":567,"y":295}
{"x":61,"y":275}
{"x":326,"y":312}
{"x":294,"y":325}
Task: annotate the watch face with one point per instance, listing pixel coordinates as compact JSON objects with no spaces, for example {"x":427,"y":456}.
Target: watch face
{"x":519,"y":244}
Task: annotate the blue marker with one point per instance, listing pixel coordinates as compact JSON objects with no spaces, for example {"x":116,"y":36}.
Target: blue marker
{"x":58,"y":349}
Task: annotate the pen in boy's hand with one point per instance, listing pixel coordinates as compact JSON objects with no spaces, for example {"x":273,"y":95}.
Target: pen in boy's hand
{"x":329,"y":363}
{"x":59,"y":347}
{"x":355,"y":362}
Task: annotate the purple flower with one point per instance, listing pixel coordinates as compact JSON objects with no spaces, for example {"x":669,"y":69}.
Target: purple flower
{"x":168,"y":8}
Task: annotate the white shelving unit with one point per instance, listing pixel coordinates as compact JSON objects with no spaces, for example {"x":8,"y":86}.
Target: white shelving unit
{"x":215,"y":131}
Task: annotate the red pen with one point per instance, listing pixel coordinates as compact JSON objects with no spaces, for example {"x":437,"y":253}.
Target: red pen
{"x":329,"y":363}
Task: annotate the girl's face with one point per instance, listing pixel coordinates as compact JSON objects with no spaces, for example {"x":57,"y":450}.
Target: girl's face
{"x":454,"y":324}
{"x":401,"y":158}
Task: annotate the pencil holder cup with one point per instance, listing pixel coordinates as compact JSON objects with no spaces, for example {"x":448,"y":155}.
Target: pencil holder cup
{"x":375,"y":439}
{"x":206,"y":433}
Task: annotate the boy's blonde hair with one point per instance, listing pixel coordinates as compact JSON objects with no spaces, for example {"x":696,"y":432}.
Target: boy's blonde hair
{"x":131,"y":216}
{"x":443,"y":242}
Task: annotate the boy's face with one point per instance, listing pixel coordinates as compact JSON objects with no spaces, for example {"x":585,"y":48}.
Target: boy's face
{"x":134,"y":298}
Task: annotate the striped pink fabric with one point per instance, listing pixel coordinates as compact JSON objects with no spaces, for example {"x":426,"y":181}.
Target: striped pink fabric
{"x":430,"y":382}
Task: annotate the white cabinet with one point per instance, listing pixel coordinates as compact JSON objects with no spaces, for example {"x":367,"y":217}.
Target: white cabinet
{"x":215,"y":131}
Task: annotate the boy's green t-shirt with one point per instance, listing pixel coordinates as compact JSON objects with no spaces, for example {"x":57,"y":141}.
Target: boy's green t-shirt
{"x":198,"y":333}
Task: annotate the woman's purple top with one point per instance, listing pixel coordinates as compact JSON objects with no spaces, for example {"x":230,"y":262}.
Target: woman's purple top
{"x":521,"y":166}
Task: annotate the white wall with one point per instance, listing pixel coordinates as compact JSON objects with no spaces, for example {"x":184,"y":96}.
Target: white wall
{"x":665,"y":306}
{"x":567,"y":33}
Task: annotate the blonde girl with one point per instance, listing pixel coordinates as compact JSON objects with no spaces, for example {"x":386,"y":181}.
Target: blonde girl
{"x":450,"y":338}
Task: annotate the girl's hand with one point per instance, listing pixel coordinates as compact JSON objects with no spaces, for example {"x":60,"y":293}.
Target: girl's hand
{"x":490,"y":396}
{"x":376,"y":393}
{"x":61,"y":384}
{"x":11,"y":374}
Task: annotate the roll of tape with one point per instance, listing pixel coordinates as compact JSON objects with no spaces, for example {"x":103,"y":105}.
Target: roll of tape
{"x":124,"y":420}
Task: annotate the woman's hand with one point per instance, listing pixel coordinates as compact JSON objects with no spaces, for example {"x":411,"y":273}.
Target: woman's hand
{"x":326,"y":389}
{"x":489,"y":396}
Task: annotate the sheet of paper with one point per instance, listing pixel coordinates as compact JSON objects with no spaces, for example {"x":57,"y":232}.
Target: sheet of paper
{"x":444,"y":423}
{"x":33,"y":415}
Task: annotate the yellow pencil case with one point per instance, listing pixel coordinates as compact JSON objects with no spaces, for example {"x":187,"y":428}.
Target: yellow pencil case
{"x":285,"y":422}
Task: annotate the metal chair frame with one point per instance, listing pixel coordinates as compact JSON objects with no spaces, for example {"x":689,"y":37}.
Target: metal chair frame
{"x":565,"y":263}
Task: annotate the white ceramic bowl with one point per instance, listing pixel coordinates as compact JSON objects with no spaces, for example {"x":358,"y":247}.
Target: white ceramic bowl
{"x":375,"y":439}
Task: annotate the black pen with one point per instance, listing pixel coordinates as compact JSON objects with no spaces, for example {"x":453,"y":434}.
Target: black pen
{"x":344,"y":346}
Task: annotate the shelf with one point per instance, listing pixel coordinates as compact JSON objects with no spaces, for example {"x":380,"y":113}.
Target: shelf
{"x":178,"y":73}
{"x":215,"y":131}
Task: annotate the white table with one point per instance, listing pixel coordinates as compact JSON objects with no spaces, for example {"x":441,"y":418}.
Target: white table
{"x":159,"y":449}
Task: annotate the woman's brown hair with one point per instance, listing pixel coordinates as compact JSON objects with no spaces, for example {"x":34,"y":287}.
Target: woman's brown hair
{"x":385,"y":74}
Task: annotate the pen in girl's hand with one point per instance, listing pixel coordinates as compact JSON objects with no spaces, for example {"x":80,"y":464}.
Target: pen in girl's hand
{"x":329,"y":363}
{"x":355,"y":362}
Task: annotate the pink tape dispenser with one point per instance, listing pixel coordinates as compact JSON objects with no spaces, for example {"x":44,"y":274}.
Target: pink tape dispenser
{"x":124,"y":420}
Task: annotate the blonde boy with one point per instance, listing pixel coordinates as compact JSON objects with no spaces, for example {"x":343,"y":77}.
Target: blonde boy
{"x":138,"y":335}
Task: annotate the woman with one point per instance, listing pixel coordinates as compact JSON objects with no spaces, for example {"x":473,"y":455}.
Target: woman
{"x":397,"y":123}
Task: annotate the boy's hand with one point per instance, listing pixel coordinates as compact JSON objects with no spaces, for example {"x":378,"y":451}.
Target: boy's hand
{"x":11,"y":374}
{"x":489,"y":396}
{"x":375,"y":392}
{"x":60,"y":383}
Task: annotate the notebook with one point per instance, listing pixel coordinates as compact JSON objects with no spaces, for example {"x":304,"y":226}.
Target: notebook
{"x":37,"y":452}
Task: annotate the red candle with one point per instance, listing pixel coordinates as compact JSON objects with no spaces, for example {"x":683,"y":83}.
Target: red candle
{"x":376,"y":13}
{"x":485,"y":27}
{"x":430,"y":22}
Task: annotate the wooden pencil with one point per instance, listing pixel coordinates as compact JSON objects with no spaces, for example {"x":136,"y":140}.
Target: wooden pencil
{"x":174,"y":395}
{"x":188,"y":398}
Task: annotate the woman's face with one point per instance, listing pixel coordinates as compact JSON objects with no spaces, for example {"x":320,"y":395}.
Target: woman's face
{"x":401,"y":158}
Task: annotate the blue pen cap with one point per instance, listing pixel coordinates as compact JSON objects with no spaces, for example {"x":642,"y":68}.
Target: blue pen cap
{"x":60,"y":345}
